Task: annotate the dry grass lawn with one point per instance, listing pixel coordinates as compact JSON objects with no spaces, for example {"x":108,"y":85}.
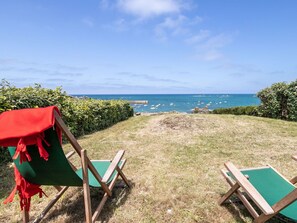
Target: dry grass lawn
{"x":173,"y":166}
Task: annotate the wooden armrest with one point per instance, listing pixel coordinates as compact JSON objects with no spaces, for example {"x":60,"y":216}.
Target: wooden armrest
{"x":113,"y":165}
{"x":68,"y":155}
{"x":250,"y":189}
{"x":294,"y":157}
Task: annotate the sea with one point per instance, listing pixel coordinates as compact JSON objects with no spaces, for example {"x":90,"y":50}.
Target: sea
{"x":181,"y":102}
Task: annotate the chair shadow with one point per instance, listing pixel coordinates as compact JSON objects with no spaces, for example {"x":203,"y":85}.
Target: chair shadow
{"x":237,"y":209}
{"x":75,"y":210}
{"x":240,"y":213}
{"x":7,"y":182}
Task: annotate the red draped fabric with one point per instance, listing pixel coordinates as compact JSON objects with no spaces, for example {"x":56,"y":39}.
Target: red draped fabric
{"x":21,"y":128}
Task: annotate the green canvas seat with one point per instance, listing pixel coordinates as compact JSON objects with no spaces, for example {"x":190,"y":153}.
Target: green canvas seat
{"x":273,"y":188}
{"x":57,"y":170}
{"x":267,"y":188}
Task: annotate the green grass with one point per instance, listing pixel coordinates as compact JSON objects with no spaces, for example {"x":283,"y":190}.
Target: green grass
{"x":174,"y":163}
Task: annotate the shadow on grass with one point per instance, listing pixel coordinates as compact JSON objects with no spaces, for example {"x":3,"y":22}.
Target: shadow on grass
{"x":240,"y":213}
{"x":74,"y":210}
{"x":7,"y":182}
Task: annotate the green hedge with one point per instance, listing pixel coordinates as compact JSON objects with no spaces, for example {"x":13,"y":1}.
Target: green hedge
{"x":279,"y":101}
{"x":240,"y":110}
{"x":81,"y":115}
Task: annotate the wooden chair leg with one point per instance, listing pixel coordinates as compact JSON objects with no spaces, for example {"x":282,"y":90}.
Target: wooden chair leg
{"x":87,"y":198}
{"x":25,"y":208}
{"x":100,"y":207}
{"x":50,"y":205}
{"x":234,"y":188}
{"x":123,"y":176}
{"x":25,"y":216}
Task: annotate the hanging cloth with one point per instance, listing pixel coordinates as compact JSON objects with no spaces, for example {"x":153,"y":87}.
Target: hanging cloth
{"x":20,"y":128}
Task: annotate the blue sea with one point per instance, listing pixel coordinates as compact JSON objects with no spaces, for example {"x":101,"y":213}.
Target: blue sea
{"x":183,"y":102}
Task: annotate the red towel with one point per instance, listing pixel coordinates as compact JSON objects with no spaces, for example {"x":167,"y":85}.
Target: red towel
{"x":24,"y":127}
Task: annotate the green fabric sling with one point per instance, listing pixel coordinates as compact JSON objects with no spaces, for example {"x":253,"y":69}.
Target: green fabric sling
{"x":273,"y":188}
{"x":57,"y":170}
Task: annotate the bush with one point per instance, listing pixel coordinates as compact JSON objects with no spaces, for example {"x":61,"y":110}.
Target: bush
{"x":4,"y":156}
{"x":240,"y":110}
{"x":81,"y":115}
{"x":292,"y":101}
{"x":279,"y":101}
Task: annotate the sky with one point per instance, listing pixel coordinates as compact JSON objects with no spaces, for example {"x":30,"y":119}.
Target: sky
{"x":148,"y":46}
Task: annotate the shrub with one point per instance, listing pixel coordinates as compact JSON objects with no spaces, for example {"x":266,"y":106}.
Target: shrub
{"x":240,"y":110}
{"x":279,"y":101}
{"x":292,"y":101}
{"x":81,"y":115}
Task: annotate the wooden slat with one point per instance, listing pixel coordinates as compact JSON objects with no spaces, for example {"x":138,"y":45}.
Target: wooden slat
{"x":111,"y":185}
{"x":50,"y":205}
{"x":25,"y":216}
{"x":123,"y":175}
{"x":286,"y":201}
{"x":100,"y":207}
{"x":68,"y":155}
{"x":280,"y":205}
{"x":247,"y":204}
{"x":87,"y":198}
{"x":113,"y":165}
{"x":60,"y":123}
{"x":294,"y":180}
{"x":241,"y":196}
{"x":227,"y":178}
{"x":263,"y":218}
{"x":234,"y":188}
{"x":249,"y":188}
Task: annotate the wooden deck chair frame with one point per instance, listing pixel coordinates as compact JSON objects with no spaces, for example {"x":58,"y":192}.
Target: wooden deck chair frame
{"x":246,"y":192}
{"x":86,"y":164}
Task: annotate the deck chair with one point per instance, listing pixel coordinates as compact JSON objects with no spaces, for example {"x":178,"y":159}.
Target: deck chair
{"x":263,"y":187}
{"x":59,"y":172}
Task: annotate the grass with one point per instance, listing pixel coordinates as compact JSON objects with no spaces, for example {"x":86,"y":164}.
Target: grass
{"x":173,"y":165}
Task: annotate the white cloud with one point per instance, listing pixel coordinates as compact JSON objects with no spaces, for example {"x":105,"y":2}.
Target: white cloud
{"x":119,"y":25}
{"x":148,"y":8}
{"x":196,"y":20}
{"x":104,"y":4}
{"x":173,"y":23}
{"x":202,"y":35}
{"x":212,"y":54}
{"x":218,"y":41}
{"x":212,"y":47}
{"x":88,"y":22}
{"x":209,"y":48}
{"x":171,"y":26}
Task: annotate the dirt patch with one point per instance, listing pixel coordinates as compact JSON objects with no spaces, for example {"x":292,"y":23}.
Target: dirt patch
{"x":177,"y":122}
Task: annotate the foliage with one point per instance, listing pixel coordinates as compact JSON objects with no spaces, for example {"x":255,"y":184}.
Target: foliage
{"x":4,"y":155}
{"x":240,"y":110}
{"x":279,"y":101}
{"x":81,"y":115}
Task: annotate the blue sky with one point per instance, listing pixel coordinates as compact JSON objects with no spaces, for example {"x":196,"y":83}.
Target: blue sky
{"x":148,"y":46}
